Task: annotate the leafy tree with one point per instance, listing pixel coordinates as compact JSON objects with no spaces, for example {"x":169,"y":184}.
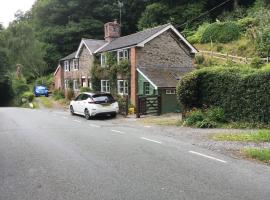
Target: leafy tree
{"x":155,"y":14}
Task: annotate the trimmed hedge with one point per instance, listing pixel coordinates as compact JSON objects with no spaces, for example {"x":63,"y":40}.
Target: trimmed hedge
{"x":223,"y":32}
{"x":243,"y":93}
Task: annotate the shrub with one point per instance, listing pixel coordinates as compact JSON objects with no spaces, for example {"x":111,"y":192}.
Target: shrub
{"x":85,"y":89}
{"x":29,"y":96}
{"x":245,"y":23}
{"x":256,"y":63}
{"x":216,"y":114}
{"x":206,"y":123}
{"x":197,"y":36}
{"x":19,"y":86}
{"x":193,"y":117}
{"x":58,"y":94}
{"x":242,"y":92}
{"x":199,"y":59}
{"x":70,"y":94}
{"x":223,"y":32}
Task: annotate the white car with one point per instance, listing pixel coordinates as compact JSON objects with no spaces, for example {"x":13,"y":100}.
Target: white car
{"x":93,"y":104}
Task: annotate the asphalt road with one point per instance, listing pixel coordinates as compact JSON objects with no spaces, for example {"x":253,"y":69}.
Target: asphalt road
{"x":49,"y":155}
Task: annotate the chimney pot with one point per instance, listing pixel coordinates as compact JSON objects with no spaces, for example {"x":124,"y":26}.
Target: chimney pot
{"x":112,"y":30}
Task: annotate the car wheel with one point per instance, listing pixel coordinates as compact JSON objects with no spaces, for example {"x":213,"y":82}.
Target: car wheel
{"x":71,"y":110}
{"x":87,"y":114}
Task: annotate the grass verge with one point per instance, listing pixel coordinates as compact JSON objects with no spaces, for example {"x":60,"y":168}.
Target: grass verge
{"x":46,"y":102}
{"x":162,"y":121}
{"x":258,"y":154}
{"x":258,"y":136}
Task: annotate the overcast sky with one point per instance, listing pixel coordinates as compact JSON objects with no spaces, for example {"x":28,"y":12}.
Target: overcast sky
{"x":9,"y":7}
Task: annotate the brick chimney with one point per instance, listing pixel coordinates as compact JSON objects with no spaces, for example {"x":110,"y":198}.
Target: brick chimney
{"x":112,"y":30}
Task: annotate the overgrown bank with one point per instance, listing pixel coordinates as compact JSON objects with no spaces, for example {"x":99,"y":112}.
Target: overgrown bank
{"x":241,"y":92}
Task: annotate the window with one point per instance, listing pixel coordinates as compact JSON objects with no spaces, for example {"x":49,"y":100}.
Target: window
{"x":75,"y":85}
{"x":103,"y":60}
{"x":122,"y":55}
{"x":105,"y":86}
{"x":66,"y":84}
{"x":146,"y":88}
{"x":170,"y":91}
{"x":89,"y":83}
{"x":66,"y":65}
{"x":122,"y":86}
{"x":75,"y":64}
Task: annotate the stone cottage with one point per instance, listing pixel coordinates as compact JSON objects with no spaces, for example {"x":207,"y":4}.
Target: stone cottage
{"x":158,"y":58}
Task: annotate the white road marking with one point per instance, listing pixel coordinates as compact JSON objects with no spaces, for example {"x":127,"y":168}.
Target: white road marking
{"x":143,"y":138}
{"x":77,"y":121}
{"x":147,"y":126}
{"x":206,"y":156}
{"x":96,"y":126}
{"x":116,"y":131}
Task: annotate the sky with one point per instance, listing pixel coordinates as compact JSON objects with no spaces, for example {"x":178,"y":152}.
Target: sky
{"x":9,"y":7}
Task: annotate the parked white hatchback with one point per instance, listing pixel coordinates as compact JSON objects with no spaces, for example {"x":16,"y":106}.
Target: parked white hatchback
{"x":94,"y":104}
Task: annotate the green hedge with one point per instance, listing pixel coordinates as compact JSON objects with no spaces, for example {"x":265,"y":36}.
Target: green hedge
{"x":243,"y":93}
{"x":221,"y":32}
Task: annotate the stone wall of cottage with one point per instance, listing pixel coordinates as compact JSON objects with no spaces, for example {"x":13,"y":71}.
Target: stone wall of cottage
{"x":85,"y":63}
{"x":164,"y":51}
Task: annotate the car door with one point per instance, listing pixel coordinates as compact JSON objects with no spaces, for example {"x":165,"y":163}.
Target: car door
{"x":84,"y":102}
{"x":77,"y":104}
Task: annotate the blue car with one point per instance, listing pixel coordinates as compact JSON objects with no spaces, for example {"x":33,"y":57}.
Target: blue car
{"x":40,"y":90}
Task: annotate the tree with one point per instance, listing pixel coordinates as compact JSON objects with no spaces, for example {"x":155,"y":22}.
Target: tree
{"x":155,"y":14}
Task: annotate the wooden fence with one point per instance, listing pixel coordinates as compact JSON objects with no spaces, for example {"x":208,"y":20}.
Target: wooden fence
{"x":227,"y":57}
{"x":148,"y":105}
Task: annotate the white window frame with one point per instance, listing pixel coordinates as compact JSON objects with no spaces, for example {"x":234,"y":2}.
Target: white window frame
{"x":66,"y":65}
{"x":146,"y":92}
{"x":171,"y":91}
{"x":66,"y":84}
{"x":122,"y":89}
{"x":75,"y":64}
{"x":105,"y":86}
{"x":75,"y":85}
{"x":103,"y":60}
{"x":125,"y":55}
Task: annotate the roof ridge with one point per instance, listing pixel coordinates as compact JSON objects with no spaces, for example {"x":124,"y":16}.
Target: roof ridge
{"x":148,"y":29}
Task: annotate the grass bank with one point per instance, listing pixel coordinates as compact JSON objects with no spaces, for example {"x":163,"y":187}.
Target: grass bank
{"x":258,"y":136}
{"x":258,"y":154}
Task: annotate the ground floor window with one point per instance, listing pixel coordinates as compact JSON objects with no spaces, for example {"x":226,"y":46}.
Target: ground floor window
{"x":122,"y":87}
{"x":75,"y":85}
{"x":105,"y":86}
{"x":66,"y":84}
{"x":146,"y":88}
{"x":172,"y":91}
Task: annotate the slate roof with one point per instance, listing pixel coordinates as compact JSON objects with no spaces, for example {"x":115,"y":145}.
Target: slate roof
{"x":165,"y":77}
{"x":93,"y":45}
{"x":133,"y":39}
{"x":70,"y":56}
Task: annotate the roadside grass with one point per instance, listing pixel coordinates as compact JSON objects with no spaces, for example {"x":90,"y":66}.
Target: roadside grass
{"x":258,"y":136}
{"x":258,"y":154}
{"x":46,"y":102}
{"x":162,"y":121}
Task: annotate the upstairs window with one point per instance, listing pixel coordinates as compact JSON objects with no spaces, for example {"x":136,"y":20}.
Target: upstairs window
{"x":122,"y":55}
{"x":103,"y":60}
{"x":75,"y":64}
{"x":122,"y":86}
{"x":66,"y":65}
{"x":105,"y":86}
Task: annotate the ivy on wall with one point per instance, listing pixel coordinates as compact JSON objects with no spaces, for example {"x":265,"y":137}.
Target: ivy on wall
{"x":111,"y":72}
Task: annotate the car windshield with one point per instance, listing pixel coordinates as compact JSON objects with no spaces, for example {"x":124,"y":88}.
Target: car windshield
{"x":41,"y":88}
{"x":103,"y":98}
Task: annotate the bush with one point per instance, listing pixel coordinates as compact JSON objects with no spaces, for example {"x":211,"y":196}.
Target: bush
{"x":70,"y":94}
{"x":45,"y":80}
{"x":193,"y":117}
{"x":242,"y":92}
{"x":19,"y":86}
{"x":199,"y":59}
{"x":29,"y":96}
{"x":58,"y":94}
{"x":85,"y":89}
{"x":216,"y":114}
{"x":245,"y":23}
{"x":197,"y":36}
{"x":256,"y":63}
{"x":222,"y":32}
